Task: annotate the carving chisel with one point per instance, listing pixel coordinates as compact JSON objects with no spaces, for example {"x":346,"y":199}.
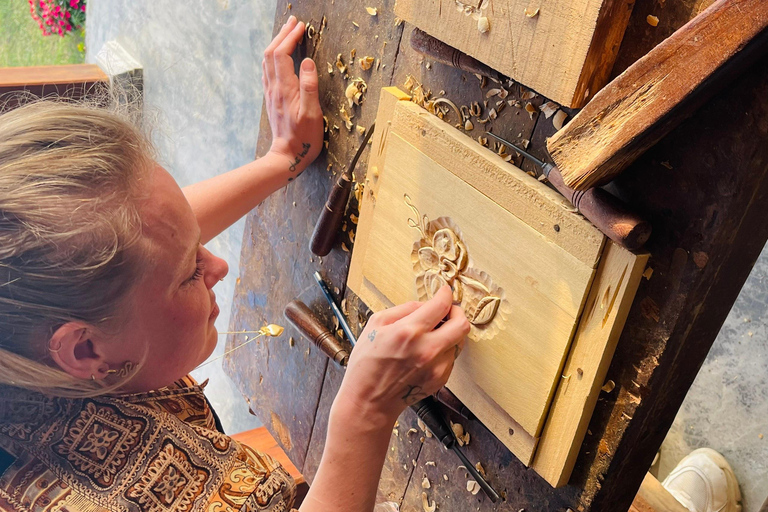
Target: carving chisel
{"x":601,"y":208}
{"x":426,"y":409}
{"x":329,"y":222}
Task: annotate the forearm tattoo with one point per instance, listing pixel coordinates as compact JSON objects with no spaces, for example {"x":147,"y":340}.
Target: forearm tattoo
{"x":413,"y":394}
{"x":300,"y":156}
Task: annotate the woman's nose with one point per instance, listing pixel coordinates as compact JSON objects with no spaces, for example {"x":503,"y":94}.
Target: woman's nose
{"x":218,"y":269}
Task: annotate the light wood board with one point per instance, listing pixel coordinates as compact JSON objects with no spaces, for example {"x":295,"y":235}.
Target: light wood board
{"x":508,"y":374}
{"x":565,"y":51}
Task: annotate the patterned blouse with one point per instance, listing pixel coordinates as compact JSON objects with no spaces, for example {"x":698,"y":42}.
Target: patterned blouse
{"x":157,"y":452}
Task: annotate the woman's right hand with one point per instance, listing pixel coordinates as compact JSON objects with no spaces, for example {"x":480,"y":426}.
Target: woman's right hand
{"x":401,"y":357}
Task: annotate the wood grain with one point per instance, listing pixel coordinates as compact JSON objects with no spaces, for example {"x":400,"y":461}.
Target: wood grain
{"x":565,"y":51}
{"x":592,"y":348}
{"x":651,"y":97}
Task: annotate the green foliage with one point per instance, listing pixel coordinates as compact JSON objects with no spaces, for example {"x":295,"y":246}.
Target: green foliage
{"x":23,"y":44}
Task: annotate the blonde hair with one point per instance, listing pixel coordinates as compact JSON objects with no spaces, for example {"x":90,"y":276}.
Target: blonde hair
{"x":69,"y":223}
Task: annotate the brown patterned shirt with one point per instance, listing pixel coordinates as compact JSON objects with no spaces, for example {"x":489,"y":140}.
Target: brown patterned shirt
{"x":156,"y":452}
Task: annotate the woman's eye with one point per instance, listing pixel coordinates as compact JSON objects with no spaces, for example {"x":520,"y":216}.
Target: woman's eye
{"x":198,"y":271}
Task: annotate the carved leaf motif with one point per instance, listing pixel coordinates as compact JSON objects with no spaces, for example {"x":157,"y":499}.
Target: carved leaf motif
{"x":477,"y":289}
{"x":486,"y":310}
{"x":428,"y":258}
{"x":433,"y":282}
{"x":462,"y":258}
{"x":444,"y":243}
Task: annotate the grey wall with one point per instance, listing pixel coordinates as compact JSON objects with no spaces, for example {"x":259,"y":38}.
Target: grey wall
{"x":202,"y":79}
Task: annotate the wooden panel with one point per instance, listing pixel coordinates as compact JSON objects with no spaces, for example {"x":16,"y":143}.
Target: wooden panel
{"x":544,"y":285}
{"x":542,"y":208}
{"x":602,"y":321}
{"x":653,"y":497}
{"x":565,"y":51}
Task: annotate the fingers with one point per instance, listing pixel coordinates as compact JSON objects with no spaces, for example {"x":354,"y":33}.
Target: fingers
{"x":284,"y":69}
{"x":431,"y":312}
{"x":309,"y":97}
{"x":451,"y":333}
{"x":392,"y":315}
{"x":268,"y":63}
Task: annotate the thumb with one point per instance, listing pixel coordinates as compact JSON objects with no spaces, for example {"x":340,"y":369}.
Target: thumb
{"x":309,"y":96}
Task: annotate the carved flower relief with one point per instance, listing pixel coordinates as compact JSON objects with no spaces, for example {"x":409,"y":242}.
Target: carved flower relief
{"x":443,"y":259}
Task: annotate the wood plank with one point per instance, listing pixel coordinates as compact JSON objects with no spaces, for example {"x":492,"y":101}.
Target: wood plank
{"x":565,"y":51}
{"x":592,"y":348}
{"x":18,"y":77}
{"x":260,"y":439}
{"x":653,"y":497}
{"x":651,"y":97}
{"x":542,"y":208}
{"x":545,"y":286}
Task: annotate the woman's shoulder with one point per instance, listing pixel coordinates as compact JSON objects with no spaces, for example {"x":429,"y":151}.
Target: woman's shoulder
{"x":128,"y":450}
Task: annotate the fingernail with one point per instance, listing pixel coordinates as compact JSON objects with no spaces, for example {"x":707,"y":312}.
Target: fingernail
{"x":308,"y":64}
{"x":291,"y":18}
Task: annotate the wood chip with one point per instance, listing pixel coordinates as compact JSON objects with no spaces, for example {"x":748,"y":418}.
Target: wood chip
{"x":527,"y":95}
{"x":483,"y":25}
{"x":366,"y":62}
{"x":425,"y":503}
{"x":492,"y":92}
{"x":473,"y":486}
{"x":559,"y":119}
{"x":549,"y":108}
{"x":531,"y":12}
{"x":648,"y":273}
{"x":608,"y":386}
{"x":425,"y":483}
{"x":531,"y":109}
{"x":652,"y":20}
{"x":373,"y":11}
{"x":468,"y":125}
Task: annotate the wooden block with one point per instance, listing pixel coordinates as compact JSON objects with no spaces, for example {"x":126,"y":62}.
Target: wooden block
{"x":653,"y":95}
{"x":602,"y":321}
{"x":563,"y":49}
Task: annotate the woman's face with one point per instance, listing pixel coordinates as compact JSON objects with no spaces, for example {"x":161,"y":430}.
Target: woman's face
{"x":173,"y":308}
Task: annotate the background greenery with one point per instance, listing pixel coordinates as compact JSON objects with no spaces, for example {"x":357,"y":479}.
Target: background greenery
{"x":22,"y":42}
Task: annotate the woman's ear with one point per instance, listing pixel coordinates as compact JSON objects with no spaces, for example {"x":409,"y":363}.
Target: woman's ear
{"x":72,"y":347}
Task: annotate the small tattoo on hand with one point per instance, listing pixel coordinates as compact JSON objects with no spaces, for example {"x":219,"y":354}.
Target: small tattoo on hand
{"x":300,"y":156}
{"x":413,"y":394}
{"x":456,"y":352}
{"x":372,"y":335}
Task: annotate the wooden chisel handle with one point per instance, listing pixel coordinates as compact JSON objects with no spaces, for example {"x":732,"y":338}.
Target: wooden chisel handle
{"x":441,"y":52}
{"x":329,"y":222}
{"x":310,"y":326}
{"x":605,"y":211}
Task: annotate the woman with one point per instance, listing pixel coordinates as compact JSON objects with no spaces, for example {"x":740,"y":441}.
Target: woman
{"x":106,"y":304}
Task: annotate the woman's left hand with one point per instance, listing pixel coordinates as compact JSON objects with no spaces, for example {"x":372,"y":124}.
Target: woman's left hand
{"x":292,"y":102}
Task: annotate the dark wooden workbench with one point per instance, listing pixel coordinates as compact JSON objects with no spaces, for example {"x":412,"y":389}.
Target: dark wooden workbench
{"x":703,"y":187}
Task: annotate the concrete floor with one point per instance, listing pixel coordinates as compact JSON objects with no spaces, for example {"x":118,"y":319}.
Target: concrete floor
{"x":202,"y":74}
{"x":202,"y":78}
{"x":727,"y":406}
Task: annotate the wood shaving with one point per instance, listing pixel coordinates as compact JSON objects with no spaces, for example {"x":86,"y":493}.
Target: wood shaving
{"x":366,"y":62}
{"x":340,"y":64}
{"x":474,"y":109}
{"x":608,"y":386}
{"x":483,"y":25}
{"x":373,"y":11}
{"x":480,"y":469}
{"x":425,"y":503}
{"x":527,"y":95}
{"x":425,"y":483}
{"x":483,"y":141}
{"x":492,"y":113}
{"x":559,"y":119}
{"x":445,"y":477}
{"x":468,"y":126}
{"x":549,"y":108}
{"x":648,"y":273}
{"x":652,"y":20}
{"x":504,"y":93}
{"x":354,"y":23}
{"x":346,"y":117}
{"x":473,"y":487}
{"x":492,"y":92}
{"x":531,"y":109}
{"x":430,"y":463}
{"x":531,"y":13}
{"x":360,"y":130}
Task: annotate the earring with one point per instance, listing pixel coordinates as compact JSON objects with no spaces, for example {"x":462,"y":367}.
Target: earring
{"x":54,"y":350}
{"x":123,"y":371}
{"x":221,"y":279}
{"x":92,"y":377}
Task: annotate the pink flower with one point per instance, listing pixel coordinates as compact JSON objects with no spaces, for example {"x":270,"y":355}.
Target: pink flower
{"x":82,"y":7}
{"x":67,"y":15}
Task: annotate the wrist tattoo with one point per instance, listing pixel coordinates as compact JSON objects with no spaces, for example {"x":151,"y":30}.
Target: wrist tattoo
{"x":413,"y":394}
{"x":300,"y":156}
{"x":372,"y":335}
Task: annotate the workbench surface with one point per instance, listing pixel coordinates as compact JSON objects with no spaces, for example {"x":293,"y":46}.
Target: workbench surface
{"x":703,"y":188}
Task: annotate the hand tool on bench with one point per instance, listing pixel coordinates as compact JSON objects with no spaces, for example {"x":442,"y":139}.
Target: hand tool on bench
{"x":426,"y":409}
{"x":329,"y":222}
{"x":599,"y":206}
